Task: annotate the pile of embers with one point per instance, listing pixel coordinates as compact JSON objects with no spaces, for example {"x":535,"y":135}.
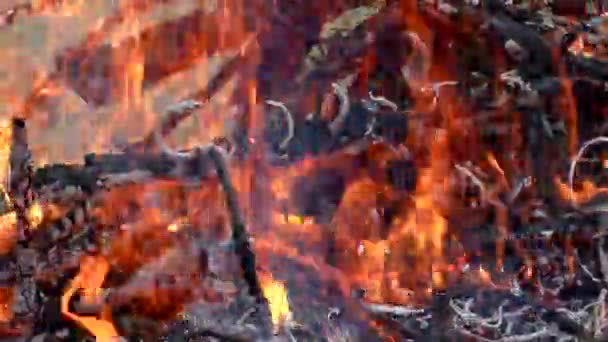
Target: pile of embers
{"x":445,"y":182}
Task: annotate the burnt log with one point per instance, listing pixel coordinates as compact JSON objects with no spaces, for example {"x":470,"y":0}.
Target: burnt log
{"x":535,"y":61}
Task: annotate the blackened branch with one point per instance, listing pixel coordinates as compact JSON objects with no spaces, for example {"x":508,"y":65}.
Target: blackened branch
{"x":239,"y":232}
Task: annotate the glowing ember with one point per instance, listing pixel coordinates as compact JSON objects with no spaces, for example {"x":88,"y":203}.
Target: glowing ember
{"x":8,"y":231}
{"x":276,"y":295}
{"x":177,"y":224}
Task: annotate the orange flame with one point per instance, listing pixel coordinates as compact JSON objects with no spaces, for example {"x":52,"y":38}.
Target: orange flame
{"x":6,"y":136}
{"x":93,"y":271}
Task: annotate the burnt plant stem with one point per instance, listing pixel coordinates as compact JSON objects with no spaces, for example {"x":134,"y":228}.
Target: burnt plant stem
{"x":21,"y":173}
{"x":239,"y":232}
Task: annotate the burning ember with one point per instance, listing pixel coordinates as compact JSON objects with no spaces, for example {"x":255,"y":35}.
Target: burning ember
{"x":341,"y":171}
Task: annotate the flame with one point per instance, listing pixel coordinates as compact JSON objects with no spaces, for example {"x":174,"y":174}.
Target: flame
{"x":35,"y":215}
{"x":484,"y":276}
{"x":8,"y":231}
{"x":6,"y":136}
{"x":279,"y":218}
{"x":587,"y":191}
{"x":8,"y":236}
{"x":275,"y":293}
{"x":93,"y":271}
{"x":177,"y":224}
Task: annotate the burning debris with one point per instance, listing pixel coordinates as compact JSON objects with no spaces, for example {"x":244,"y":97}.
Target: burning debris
{"x":376,"y":170}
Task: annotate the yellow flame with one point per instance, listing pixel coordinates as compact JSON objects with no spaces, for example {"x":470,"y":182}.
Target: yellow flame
{"x":177,"y":224}
{"x":6,"y":135}
{"x":280,"y":218}
{"x":35,"y":214}
{"x":275,"y":293}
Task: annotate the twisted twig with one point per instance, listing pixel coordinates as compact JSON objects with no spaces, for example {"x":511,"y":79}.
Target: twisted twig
{"x":288,"y":117}
{"x":338,"y":123}
{"x":577,"y":157}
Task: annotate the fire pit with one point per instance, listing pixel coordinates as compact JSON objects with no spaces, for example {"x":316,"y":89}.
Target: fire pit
{"x":291,"y":171}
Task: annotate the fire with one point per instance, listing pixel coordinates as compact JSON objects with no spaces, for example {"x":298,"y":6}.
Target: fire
{"x":6,"y":135}
{"x":275,"y":293}
{"x":587,"y":191}
{"x":280,"y":218}
{"x":35,"y":214}
{"x":92,"y":274}
{"x":8,"y":231}
{"x":176,"y":225}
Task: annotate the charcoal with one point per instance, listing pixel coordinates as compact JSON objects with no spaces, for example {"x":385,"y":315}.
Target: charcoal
{"x":535,"y":63}
{"x":314,"y":138}
{"x":357,"y":122}
{"x":589,"y":67}
{"x":401,"y":174}
{"x":392,"y":126}
{"x":320,"y":194}
{"x":64,"y":175}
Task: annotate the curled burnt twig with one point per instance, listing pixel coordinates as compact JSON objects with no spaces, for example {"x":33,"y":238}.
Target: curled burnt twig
{"x":395,"y":310}
{"x":592,"y":317}
{"x":435,"y":88}
{"x":338,"y":122}
{"x":465,"y":318}
{"x":381,"y":100}
{"x":416,"y":70}
{"x":289,"y":118}
{"x":577,"y":157}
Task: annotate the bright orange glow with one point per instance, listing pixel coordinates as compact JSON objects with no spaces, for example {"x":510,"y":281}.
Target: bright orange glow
{"x":276,"y":294}
{"x":279,"y":218}
{"x":587,"y":192}
{"x":35,"y":214}
{"x":6,"y":135}
{"x":92,"y":274}
{"x":8,"y":231}
{"x":177,"y":224}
